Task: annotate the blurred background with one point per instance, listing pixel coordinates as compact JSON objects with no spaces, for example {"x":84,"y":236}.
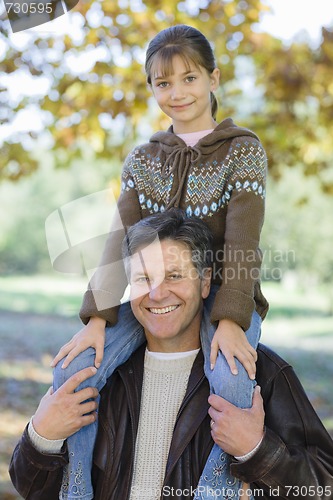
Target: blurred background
{"x":74,"y":102}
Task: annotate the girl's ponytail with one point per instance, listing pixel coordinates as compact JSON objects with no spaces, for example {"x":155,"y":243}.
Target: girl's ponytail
{"x":214,"y":105}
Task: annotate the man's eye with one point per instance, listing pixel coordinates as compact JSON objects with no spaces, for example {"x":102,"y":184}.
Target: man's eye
{"x":175,"y":276}
{"x":141,"y":279}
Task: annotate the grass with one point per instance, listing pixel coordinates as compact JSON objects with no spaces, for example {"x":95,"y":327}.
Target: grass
{"x":58,"y":294}
{"x":39,"y":314}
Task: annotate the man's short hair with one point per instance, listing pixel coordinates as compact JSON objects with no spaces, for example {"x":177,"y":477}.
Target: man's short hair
{"x":173,"y":224}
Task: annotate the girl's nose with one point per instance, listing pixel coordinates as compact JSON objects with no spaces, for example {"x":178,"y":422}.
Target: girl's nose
{"x":177,"y":92}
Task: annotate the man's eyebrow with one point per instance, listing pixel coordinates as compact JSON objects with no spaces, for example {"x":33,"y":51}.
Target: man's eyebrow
{"x":173,"y":269}
{"x":135,"y":274}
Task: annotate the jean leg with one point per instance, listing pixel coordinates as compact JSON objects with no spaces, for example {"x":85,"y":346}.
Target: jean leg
{"x":238,"y":390}
{"x":120,"y":342}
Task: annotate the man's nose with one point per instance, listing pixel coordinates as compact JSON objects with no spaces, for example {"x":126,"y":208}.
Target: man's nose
{"x":159,"y":291}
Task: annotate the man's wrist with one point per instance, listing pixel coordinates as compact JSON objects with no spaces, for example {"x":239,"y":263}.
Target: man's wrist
{"x":247,"y":456}
{"x":42,"y":444}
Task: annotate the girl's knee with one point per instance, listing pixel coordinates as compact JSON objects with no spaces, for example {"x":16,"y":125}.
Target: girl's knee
{"x":82,"y":360}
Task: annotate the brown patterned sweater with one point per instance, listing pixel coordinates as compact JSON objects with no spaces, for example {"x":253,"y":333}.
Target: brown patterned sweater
{"x":222,"y":181}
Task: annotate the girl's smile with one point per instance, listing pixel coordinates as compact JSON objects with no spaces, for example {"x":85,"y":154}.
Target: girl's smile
{"x":184,"y":95}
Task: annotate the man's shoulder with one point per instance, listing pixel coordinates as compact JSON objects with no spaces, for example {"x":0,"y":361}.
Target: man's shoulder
{"x":131,"y":368}
{"x":269,"y":363}
{"x":266,"y":354}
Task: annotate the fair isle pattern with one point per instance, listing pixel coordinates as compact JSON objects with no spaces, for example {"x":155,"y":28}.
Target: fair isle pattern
{"x":206,"y":191}
{"x":209,"y":185}
{"x":250,"y":166}
{"x":143,"y":172}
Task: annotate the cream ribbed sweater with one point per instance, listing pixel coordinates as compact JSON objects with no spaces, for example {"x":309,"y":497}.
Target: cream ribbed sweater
{"x":163,"y":390}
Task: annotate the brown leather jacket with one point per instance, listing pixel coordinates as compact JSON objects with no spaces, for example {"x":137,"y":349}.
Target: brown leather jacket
{"x":294,"y":460}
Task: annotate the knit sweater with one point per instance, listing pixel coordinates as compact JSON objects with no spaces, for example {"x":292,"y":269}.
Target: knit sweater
{"x":220,"y":180}
{"x":163,"y":390}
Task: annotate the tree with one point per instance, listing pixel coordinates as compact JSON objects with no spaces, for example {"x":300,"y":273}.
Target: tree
{"x":94,"y":86}
{"x":95,"y":90}
{"x":295,"y":119}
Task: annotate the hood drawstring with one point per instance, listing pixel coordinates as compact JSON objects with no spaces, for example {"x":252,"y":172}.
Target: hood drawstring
{"x":178,"y":163}
{"x":180,"y":157}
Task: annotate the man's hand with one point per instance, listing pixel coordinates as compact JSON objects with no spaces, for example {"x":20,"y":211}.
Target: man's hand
{"x":62,"y":413}
{"x":237,"y":431}
{"x":91,"y":335}
{"x":231,"y":340}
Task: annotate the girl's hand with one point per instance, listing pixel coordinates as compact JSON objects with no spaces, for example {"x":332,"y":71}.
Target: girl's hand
{"x":231,"y":340}
{"x":91,"y":335}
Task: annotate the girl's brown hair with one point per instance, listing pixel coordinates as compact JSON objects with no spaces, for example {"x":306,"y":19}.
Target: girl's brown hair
{"x":188,"y":43}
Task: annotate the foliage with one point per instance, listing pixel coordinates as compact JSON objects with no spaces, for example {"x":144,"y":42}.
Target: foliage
{"x":94,"y":85}
{"x":93,"y":89}
{"x":296,"y":122}
{"x":298,"y":233}
{"x":25,"y":207}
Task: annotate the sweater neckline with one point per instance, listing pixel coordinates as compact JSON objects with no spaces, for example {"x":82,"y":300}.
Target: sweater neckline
{"x":178,"y":365}
{"x":192,"y":138}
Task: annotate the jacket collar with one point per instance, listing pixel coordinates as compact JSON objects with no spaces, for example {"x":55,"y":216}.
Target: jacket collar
{"x":191,"y":413}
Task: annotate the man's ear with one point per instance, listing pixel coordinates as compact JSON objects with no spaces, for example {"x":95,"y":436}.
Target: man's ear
{"x":206,"y":282}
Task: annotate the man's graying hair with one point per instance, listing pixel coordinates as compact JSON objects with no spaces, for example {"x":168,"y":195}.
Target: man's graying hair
{"x":174,"y":225}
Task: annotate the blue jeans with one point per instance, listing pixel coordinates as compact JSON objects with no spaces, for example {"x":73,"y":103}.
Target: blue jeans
{"x":216,"y":480}
{"x":121,"y":341}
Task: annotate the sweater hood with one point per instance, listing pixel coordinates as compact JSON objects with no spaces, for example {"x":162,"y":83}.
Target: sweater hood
{"x":179,"y":156}
{"x":227,"y":129}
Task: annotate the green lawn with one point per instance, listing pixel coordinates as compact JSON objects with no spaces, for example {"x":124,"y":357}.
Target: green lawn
{"x":39,"y":314}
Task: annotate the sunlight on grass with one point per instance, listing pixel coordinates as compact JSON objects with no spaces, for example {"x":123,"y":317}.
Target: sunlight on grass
{"x":42,"y":294}
{"x":12,"y":425}
{"x":293,"y":299}
{"x":26,"y":370}
{"x":65,"y":284}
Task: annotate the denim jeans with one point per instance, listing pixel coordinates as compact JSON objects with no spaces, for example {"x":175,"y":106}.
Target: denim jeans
{"x":216,"y":480}
{"x":121,"y":341}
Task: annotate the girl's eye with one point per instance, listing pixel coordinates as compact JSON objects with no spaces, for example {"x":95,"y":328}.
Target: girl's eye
{"x":190,"y":79}
{"x":162,"y":85}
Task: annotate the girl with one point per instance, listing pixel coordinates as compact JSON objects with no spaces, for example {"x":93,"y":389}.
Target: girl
{"x":212,"y":171}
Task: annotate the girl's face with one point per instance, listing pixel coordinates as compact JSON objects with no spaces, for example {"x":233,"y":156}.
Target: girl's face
{"x":184,"y":95}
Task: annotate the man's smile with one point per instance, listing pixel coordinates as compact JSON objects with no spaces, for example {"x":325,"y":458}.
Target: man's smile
{"x":162,"y":310}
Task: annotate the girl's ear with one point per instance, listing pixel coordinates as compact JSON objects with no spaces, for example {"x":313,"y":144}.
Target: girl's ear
{"x":215,"y":79}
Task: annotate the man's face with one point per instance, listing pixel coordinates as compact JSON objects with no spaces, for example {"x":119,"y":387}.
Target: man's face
{"x":166,"y":296}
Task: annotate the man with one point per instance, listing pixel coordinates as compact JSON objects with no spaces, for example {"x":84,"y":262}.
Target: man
{"x":157,"y":421}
